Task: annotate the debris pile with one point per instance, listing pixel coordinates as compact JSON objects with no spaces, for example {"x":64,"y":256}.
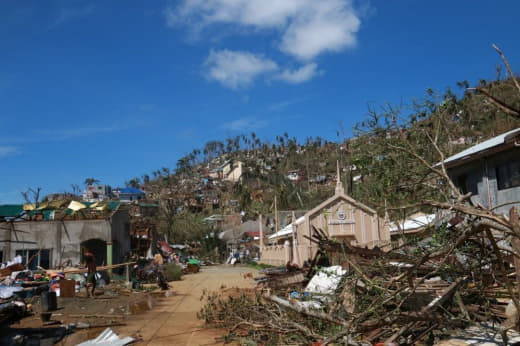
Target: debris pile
{"x":54,"y":300}
{"x":459,"y":276}
{"x":280,"y":277}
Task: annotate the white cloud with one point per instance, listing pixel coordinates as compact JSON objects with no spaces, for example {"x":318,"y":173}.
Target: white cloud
{"x":328,"y":26}
{"x":64,"y":134}
{"x":281,"y":105}
{"x":300,"y":75}
{"x":8,"y":150}
{"x":236,"y":69}
{"x":68,"y":14}
{"x":245,"y":124}
{"x":307,"y":28}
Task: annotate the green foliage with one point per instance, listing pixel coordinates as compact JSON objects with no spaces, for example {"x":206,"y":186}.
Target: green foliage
{"x":391,"y":142}
{"x":212,"y":246}
{"x":252,"y":320}
{"x":255,"y":265}
{"x":172,"y":272}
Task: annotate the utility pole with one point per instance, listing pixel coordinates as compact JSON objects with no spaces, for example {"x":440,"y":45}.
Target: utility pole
{"x":275,"y":216}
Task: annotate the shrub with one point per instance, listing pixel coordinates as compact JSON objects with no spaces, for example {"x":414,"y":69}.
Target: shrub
{"x":172,"y":272}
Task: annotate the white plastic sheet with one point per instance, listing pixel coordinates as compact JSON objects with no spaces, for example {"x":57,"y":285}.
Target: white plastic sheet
{"x":8,"y":291}
{"x":325,"y":281}
{"x":109,"y":338}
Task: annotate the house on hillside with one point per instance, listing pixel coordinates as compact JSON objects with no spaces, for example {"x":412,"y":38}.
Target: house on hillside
{"x":340,"y":217}
{"x":295,"y":175}
{"x":53,"y":233}
{"x":490,"y":171}
{"x":230,"y":170}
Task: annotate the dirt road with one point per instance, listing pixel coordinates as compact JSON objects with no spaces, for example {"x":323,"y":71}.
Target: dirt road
{"x":173,"y":320}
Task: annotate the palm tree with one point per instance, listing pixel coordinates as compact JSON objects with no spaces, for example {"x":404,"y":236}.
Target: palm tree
{"x":91,"y":181}
{"x":133,"y":183}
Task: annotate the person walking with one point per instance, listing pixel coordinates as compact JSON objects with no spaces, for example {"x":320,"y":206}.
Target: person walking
{"x":90,"y":263}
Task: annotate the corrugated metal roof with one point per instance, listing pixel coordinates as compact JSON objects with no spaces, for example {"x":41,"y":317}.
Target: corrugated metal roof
{"x":490,"y":143}
{"x":287,"y":229}
{"x":413,"y":223}
{"x":11,"y":210}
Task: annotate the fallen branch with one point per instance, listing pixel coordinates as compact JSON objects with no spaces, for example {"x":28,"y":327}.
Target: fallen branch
{"x":302,"y":310}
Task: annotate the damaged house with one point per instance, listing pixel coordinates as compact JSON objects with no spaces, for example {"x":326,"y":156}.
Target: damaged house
{"x":490,"y":171}
{"x":57,"y":233}
{"x":229,"y":170}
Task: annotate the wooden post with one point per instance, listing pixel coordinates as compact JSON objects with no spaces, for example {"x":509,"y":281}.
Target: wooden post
{"x":109,"y":257}
{"x":513,"y":219}
{"x":296,"y":252}
{"x":261,"y":234}
{"x":7,"y":254}
{"x":127,"y":273}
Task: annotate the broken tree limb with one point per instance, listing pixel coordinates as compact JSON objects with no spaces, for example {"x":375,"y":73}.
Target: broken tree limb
{"x":400,"y":332}
{"x":503,"y":270}
{"x":461,"y":305}
{"x":504,"y":59}
{"x":362,"y":274}
{"x":499,"y":103}
{"x":445,"y":294}
{"x":302,"y":310}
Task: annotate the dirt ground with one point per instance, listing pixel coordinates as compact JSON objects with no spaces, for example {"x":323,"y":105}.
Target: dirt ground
{"x":155,"y":318}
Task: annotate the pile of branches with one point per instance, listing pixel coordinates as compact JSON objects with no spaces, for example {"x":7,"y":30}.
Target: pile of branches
{"x":255,"y":316}
{"x":457,"y":276}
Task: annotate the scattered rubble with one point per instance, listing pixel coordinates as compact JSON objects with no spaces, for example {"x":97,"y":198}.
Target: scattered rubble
{"x":48,"y":304}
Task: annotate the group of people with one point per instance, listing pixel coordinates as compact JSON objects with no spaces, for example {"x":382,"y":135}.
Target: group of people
{"x":237,"y":256}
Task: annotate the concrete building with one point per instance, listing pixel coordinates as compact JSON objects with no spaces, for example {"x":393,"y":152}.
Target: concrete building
{"x":490,"y":171}
{"x":96,"y":193}
{"x":340,"y":217}
{"x":52,"y":241}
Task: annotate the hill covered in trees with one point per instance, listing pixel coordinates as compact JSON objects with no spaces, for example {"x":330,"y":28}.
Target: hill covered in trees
{"x":380,"y":165}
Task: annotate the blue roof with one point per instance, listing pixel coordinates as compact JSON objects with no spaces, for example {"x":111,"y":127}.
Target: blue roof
{"x":131,"y":191}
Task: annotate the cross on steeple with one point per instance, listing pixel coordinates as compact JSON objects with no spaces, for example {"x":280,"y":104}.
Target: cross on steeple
{"x":339,"y":186}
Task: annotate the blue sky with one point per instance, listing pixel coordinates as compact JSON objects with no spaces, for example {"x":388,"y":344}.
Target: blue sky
{"x":116,"y":89}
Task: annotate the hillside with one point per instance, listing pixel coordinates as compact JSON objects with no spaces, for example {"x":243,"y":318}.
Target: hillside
{"x":245,"y":174}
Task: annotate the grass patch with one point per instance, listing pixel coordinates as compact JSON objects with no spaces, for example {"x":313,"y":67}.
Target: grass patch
{"x":257,"y":266}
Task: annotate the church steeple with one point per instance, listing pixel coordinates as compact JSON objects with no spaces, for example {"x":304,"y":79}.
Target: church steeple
{"x":339,"y":186}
